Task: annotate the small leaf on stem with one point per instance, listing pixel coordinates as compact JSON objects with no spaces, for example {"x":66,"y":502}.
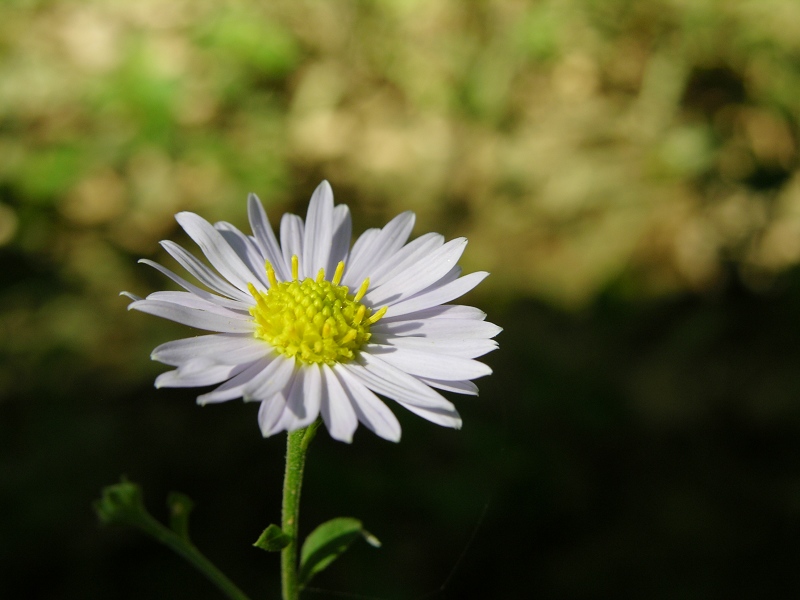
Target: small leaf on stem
{"x":272,"y":539}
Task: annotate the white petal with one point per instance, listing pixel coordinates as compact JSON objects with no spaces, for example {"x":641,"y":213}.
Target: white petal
{"x":301,"y":406}
{"x":428,"y":364}
{"x":388,"y":241}
{"x":370,"y":410}
{"x":217,"y":250}
{"x":410,"y":254}
{"x":226,"y":302}
{"x":265,"y":237}
{"x":225,"y":349}
{"x":439,"y":328}
{"x":272,"y":381}
{"x":439,"y":416}
{"x":305,"y":397}
{"x":318,"y":234}
{"x":445,"y":311}
{"x":448,"y":277}
{"x":417,"y":277}
{"x":363,"y":245}
{"x":459,"y":387}
{"x":389,"y":381}
{"x":465,"y":347}
{"x":246,"y":250}
{"x":437,"y":295}
{"x":406,"y":390}
{"x":342,"y":232}
{"x":203,"y":274}
{"x":292,"y":242}
{"x":193,"y":317}
{"x":269,"y":413}
{"x":196,"y":373}
{"x":189,"y":300}
{"x":337,"y":412}
{"x":234,"y":387}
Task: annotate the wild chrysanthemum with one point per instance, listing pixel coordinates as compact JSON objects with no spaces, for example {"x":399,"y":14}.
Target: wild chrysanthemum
{"x":308,"y":326}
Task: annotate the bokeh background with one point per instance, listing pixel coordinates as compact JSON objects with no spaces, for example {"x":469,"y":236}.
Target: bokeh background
{"x":628,"y":173}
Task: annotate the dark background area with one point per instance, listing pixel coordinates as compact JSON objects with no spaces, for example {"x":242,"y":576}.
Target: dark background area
{"x":628,"y":173}
{"x":635,"y":449}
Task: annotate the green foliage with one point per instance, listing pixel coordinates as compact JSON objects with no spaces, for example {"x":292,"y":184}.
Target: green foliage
{"x":327,"y":542}
{"x":272,"y":539}
{"x":266,"y":46}
{"x":46,"y":172}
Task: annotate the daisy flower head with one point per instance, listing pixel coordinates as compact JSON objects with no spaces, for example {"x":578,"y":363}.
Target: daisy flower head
{"x":307,"y":326}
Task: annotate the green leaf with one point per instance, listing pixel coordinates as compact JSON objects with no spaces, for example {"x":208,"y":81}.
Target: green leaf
{"x":327,"y":542}
{"x":180,"y":505}
{"x":272,"y":539}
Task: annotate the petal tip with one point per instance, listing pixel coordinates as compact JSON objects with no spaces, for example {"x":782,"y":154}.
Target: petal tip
{"x":186,"y":219}
{"x":265,"y":432}
{"x":347,"y":439}
{"x":390,"y":435}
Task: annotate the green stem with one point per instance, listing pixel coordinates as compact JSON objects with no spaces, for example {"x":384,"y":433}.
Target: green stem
{"x":189,"y":551}
{"x":296,"y":449}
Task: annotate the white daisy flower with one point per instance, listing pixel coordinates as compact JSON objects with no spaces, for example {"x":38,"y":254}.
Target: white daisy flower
{"x":310,"y":327}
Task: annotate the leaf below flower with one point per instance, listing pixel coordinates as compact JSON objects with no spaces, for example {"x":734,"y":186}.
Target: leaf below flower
{"x":327,"y":542}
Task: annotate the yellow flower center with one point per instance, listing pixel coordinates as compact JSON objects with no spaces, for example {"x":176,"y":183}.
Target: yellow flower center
{"x":314,"y":321}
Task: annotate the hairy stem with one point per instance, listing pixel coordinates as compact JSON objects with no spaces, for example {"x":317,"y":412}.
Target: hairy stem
{"x":296,"y":449}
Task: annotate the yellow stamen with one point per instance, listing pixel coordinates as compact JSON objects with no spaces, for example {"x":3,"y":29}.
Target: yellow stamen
{"x":362,"y":310}
{"x":362,"y":290}
{"x":377,"y":316}
{"x":295,"y":267}
{"x":337,"y":276}
{"x":273,"y":281}
{"x":349,"y":336}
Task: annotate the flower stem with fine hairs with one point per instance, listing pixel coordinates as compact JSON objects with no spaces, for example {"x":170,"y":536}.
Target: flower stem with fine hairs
{"x":296,"y":449}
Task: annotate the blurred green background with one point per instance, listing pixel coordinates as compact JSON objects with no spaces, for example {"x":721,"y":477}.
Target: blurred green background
{"x":628,"y":172}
